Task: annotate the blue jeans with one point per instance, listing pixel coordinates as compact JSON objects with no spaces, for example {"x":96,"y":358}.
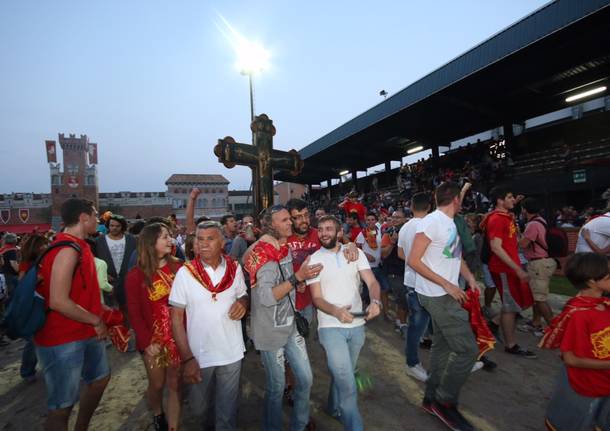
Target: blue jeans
{"x":384,"y":285}
{"x":342,"y":347}
{"x":307,"y":313}
{"x":295,"y":351}
{"x":419,"y":319}
{"x":28,"y":359}
{"x":64,"y":365}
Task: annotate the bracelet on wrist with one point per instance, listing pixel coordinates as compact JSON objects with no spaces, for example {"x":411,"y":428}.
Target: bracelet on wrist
{"x":187,"y":360}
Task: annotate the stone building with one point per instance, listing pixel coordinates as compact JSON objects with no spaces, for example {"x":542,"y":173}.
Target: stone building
{"x":213,"y":201}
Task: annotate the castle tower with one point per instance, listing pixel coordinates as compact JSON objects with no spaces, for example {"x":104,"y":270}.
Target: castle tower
{"x":79,"y":175}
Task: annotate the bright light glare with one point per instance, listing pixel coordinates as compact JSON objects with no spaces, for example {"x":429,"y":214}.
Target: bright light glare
{"x":415,"y":149}
{"x":252,"y":57}
{"x":586,"y":94}
{"x":343,"y":172}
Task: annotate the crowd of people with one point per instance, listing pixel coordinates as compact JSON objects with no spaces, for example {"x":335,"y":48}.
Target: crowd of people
{"x":192,"y":298}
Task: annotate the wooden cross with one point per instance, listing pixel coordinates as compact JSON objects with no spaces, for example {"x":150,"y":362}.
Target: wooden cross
{"x":261,"y":158}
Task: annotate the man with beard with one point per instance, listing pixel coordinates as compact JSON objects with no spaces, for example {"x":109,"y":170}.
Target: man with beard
{"x":302,"y":243}
{"x":335,"y":292}
{"x":274,"y":331}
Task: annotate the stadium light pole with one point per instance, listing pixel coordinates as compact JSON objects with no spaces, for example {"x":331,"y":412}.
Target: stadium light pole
{"x":252,"y":58}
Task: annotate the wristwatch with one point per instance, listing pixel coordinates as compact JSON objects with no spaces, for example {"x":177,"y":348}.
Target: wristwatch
{"x":378,"y":302}
{"x":293,"y":280}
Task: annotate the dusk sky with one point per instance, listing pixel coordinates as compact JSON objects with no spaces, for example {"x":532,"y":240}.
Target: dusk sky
{"x":155,"y":83}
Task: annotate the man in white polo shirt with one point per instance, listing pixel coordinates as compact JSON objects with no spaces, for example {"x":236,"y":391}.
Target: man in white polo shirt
{"x":212,"y":292}
{"x":336,"y":294}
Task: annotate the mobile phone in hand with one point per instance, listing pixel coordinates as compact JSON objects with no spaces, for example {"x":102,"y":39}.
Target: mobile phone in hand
{"x":358,"y":313}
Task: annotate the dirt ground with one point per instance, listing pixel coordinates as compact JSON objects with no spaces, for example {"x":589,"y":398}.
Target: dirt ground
{"x":513,"y":397}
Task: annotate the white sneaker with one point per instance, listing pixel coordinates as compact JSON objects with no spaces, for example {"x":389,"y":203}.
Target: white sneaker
{"x":417,"y":372}
{"x":477,"y":366}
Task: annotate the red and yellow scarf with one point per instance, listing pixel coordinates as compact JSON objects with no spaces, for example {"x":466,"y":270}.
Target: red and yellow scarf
{"x":485,"y":339}
{"x":370,"y":236}
{"x":197,"y":270}
{"x":262,"y":253}
{"x":553,"y":335}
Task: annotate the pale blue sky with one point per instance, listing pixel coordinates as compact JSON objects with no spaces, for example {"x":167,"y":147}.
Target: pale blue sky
{"x":154,"y":83}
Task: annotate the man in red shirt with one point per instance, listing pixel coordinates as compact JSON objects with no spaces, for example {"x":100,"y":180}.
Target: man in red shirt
{"x":302,"y":243}
{"x":351,"y":204}
{"x":505,"y":267}
{"x":69,"y":346}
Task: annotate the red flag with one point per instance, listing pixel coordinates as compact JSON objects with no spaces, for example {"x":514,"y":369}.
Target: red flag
{"x":92,"y":150}
{"x":51,"y":151}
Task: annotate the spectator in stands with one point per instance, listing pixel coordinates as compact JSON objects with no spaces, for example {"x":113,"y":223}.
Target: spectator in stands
{"x":352,"y":228}
{"x":351,"y":204}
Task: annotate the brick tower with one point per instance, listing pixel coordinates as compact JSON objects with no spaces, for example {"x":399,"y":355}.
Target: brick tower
{"x":79,"y":175}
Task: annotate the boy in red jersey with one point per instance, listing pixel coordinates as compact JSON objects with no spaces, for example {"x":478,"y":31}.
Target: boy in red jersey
{"x":581,"y":398}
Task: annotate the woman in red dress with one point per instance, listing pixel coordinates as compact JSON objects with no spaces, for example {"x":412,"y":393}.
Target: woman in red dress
{"x":148,"y":286}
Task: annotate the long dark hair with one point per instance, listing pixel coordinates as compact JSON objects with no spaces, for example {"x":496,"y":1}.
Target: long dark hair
{"x":148,"y":261}
{"x":33,"y":247}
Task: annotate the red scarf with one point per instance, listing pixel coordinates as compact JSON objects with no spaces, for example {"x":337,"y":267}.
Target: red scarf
{"x":262,"y":253}
{"x":119,"y":334}
{"x":553,"y":335}
{"x":370,"y":236}
{"x":485,"y":339}
{"x":196,"y":268}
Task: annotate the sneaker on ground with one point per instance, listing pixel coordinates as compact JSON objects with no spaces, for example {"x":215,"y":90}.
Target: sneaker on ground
{"x":488,"y":364}
{"x":417,"y":372}
{"x":477,"y":366}
{"x":517,"y":350}
{"x":450,"y":416}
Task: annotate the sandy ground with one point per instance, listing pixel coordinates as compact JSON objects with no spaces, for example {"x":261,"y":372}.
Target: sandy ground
{"x":513,"y":397}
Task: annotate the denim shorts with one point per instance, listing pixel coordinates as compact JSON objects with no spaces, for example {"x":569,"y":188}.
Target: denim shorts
{"x":65,"y":364}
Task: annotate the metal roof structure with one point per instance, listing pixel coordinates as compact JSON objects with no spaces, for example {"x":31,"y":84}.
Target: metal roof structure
{"x":523,"y":71}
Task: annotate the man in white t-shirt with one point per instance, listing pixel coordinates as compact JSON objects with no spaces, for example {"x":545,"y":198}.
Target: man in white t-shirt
{"x":595,"y":236}
{"x":115,"y":249}
{"x":341,"y":318}
{"x":211,"y":291}
{"x":419,"y":318}
{"x":436,"y":257}
{"x":369,"y":240}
